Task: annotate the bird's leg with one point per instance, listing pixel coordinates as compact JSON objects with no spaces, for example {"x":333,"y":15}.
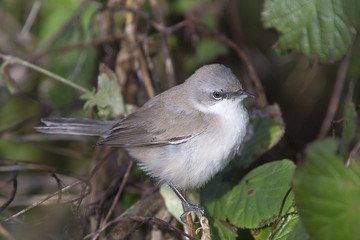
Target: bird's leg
{"x":190,"y":207}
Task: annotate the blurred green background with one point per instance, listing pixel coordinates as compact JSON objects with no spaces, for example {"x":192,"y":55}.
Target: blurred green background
{"x":71,"y":38}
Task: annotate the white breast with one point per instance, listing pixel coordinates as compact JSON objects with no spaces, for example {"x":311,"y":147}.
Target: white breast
{"x":191,"y":164}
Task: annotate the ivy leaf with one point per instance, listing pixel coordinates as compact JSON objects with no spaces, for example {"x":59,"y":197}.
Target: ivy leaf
{"x":256,"y":201}
{"x":311,"y":26}
{"x":327,"y":194}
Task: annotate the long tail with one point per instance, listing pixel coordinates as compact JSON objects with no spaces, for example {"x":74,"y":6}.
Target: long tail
{"x":73,"y":126}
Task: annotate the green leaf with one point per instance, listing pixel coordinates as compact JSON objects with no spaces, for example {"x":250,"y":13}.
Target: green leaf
{"x":172,"y":202}
{"x":311,"y":26}
{"x":352,"y":9}
{"x":267,"y":129}
{"x":214,"y":198}
{"x":289,"y":228}
{"x":107,"y":98}
{"x":327,"y":194}
{"x":256,"y":201}
{"x":223,"y":230}
{"x":348,"y":132}
{"x":55,"y":14}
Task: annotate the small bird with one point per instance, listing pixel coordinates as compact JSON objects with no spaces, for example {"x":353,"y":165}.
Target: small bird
{"x":181,"y":137}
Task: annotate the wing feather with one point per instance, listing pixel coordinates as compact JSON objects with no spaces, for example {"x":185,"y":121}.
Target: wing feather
{"x":157,"y":124}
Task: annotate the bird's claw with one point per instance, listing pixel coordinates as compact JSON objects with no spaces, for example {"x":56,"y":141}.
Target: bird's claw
{"x":191,"y":208}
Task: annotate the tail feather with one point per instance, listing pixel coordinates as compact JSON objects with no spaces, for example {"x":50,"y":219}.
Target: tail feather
{"x":73,"y":126}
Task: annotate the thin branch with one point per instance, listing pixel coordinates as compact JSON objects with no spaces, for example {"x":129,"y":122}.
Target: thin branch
{"x":85,"y":44}
{"x":13,"y":192}
{"x":43,"y":200}
{"x":160,"y":222}
{"x":169,"y":29}
{"x":139,"y":58}
{"x":333,"y":122}
{"x":145,"y":206}
{"x":279,"y":215}
{"x":22,"y":164}
{"x":24,"y":34}
{"x":116,"y":199}
{"x":142,"y":220}
{"x":336,"y":94}
{"x":16,"y":126}
{"x":190,"y":223}
{"x":59,"y":185}
{"x":5,"y":233}
{"x":169,"y":67}
{"x":204,"y":222}
{"x":14,"y":60}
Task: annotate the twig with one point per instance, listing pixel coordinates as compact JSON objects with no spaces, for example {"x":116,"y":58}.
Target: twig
{"x":189,"y":222}
{"x":22,"y":164}
{"x":8,"y":80}
{"x":43,"y":200}
{"x":333,"y":122}
{"x":142,"y":220}
{"x":94,"y":168}
{"x":139,"y":59}
{"x":145,"y":206}
{"x":131,"y":9}
{"x":279,"y":215}
{"x":90,"y":43}
{"x":169,"y":67}
{"x":117,"y":196}
{"x":169,"y":29}
{"x":206,"y":234}
{"x":14,"y":60}
{"x":161,"y":223}
{"x":336,"y":94}
{"x":145,"y":43}
{"x":58,"y":182}
{"x":121,"y":188}
{"x":24,"y":34}
{"x":16,"y":126}
{"x":13,"y":192}
{"x":91,"y":175}
{"x":5,"y":233}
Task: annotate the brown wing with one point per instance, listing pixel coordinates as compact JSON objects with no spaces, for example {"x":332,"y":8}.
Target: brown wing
{"x":157,"y":124}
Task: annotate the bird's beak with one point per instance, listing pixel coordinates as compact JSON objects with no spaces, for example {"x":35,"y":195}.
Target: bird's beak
{"x":240,"y":95}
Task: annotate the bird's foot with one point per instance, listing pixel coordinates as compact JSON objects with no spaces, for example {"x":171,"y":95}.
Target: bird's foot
{"x":191,"y":208}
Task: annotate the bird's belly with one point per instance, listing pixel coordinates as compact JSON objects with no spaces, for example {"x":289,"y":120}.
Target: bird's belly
{"x":191,"y":164}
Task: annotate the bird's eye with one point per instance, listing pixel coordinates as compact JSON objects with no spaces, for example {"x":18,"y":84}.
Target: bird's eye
{"x":217,"y":95}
